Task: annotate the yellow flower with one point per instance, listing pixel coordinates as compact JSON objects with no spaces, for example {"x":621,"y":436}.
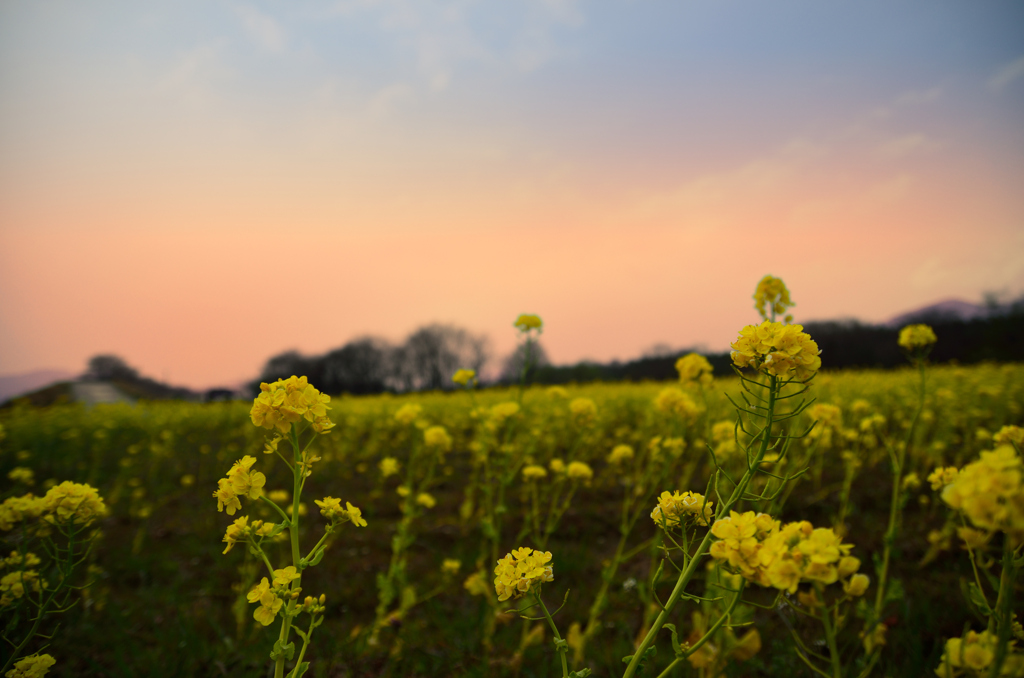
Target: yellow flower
{"x":270,"y":604}
{"x":916,"y":336}
{"x":694,"y":367}
{"x":942,"y":476}
{"x":521,"y":571}
{"x":620,"y":453}
{"x":557,"y":466}
{"x":464,"y":377}
{"x":426,"y":500}
{"x":236,"y":532}
{"x":288,"y":401}
{"x":36,"y":666}
{"x":388,"y":466}
{"x":1009,"y":435}
{"x":71,"y":502}
{"x":502,"y":411}
{"x":675,"y":506}
{"x":673,"y":401}
{"x":279,"y":496}
{"x":857,"y":585}
{"x":16,"y":509}
{"x":475,"y":585}
{"x":780,"y":350}
{"x":285,"y":576}
{"x":408,"y":413}
{"x":533,"y":472}
{"x":20,"y":474}
{"x":583,"y":410}
{"x":578,"y":470}
{"x":990,"y":492}
{"x":526,"y":322}
{"x":437,"y":437}
{"x":771,"y":296}
{"x":451,"y":566}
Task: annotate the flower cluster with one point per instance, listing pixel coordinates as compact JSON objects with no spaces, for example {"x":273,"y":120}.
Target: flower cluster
{"x":990,"y":492}
{"x":241,"y":481}
{"x":770,"y":554}
{"x":330,"y":508}
{"x":408,"y":413}
{"x":673,"y":506}
{"x":464,"y":377}
{"x":65,"y":504}
{"x":36,"y":666}
{"x":694,"y":367}
{"x":973,"y":655}
{"x":437,"y":438}
{"x":288,"y":401}
{"x":913,"y":337}
{"x":943,"y":476}
{"x":521,"y":571}
{"x":620,"y":453}
{"x":241,"y":530}
{"x":780,"y":350}
{"x":13,"y":585}
{"x":1009,"y":435}
{"x":673,"y":401}
{"x":526,"y":322}
{"x":772,"y":296}
{"x":584,"y":411}
{"x":579,"y":470}
{"x":534,"y":472}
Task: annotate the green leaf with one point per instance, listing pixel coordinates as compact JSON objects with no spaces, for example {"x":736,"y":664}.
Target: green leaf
{"x":317,"y":557}
{"x":300,"y":670}
{"x":281,"y":650}
{"x":976,"y":597}
{"x":582,"y":673}
{"x":894,"y":591}
{"x":675,"y":640}
{"x":561,"y":644}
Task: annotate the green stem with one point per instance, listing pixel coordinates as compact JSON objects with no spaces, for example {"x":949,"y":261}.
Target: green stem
{"x":830,"y":634}
{"x":894,"y":507}
{"x":707,"y":636}
{"x":687,"y":574}
{"x":554,"y":629}
{"x":1004,"y":607}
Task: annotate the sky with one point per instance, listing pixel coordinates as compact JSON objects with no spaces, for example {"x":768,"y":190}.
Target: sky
{"x":197,"y":186}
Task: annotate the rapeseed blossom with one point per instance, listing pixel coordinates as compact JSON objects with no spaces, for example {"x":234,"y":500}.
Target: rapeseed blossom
{"x":673,"y":401}
{"x":36,"y":666}
{"x":973,"y":655}
{"x":780,"y":350}
{"x":990,"y":492}
{"x":408,"y":413}
{"x":526,"y":322}
{"x":694,"y":367}
{"x":916,"y":336}
{"x":772,"y":296}
{"x":23,"y":475}
{"x":675,"y":506}
{"x":289,"y":401}
{"x":330,"y":508}
{"x":388,"y":466}
{"x":620,"y":453}
{"x":522,"y":571}
{"x":71,"y":502}
{"x":533,"y":472}
{"x":437,"y":437}
{"x":1009,"y":435}
{"x":583,"y":410}
{"x":578,"y":470}
{"x":770,"y":554}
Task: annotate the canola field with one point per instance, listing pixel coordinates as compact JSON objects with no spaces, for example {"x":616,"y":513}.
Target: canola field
{"x":779,"y":521}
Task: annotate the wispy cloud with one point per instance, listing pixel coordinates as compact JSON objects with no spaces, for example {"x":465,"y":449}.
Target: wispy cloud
{"x":1007,"y":74}
{"x":262,"y":28}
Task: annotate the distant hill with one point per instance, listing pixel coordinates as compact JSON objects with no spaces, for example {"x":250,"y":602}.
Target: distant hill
{"x":14,"y":385}
{"x":950,"y":309}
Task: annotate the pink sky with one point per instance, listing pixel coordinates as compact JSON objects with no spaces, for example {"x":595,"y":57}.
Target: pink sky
{"x":167,"y":209}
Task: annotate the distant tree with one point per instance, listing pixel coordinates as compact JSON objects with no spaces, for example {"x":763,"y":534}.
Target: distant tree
{"x":512,"y":366}
{"x":359,"y":367}
{"x":110,"y":368}
{"x":430,"y":356}
{"x":284,"y":365}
